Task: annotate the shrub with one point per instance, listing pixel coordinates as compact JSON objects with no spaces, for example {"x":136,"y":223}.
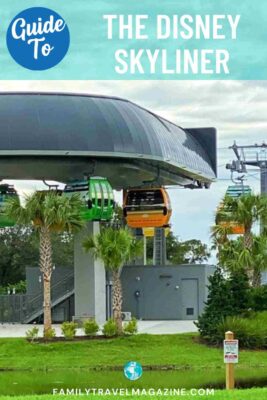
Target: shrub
{"x":68,"y":329}
{"x":259,"y":298}
{"x":130,"y":328}
{"x":90,"y":327}
{"x":239,"y":292}
{"x":217,"y":306}
{"x":110,"y":328}
{"x":19,"y":287}
{"x":32,"y":334}
{"x":251,"y":332}
{"x":261,"y":317}
{"x":50,"y":334}
{"x":227,"y":297}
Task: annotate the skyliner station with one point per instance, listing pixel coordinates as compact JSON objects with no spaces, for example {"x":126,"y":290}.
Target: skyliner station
{"x":67,"y":137}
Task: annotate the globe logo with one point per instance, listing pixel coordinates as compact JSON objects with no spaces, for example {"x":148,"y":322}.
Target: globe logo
{"x":38,"y":38}
{"x":133,"y":370}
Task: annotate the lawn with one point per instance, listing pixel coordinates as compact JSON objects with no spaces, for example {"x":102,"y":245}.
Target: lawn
{"x":169,"y":361}
{"x":251,"y":394}
{"x":181,"y":351}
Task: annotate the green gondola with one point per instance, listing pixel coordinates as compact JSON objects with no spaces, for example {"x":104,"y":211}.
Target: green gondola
{"x":98,"y":198}
{"x":238,"y":190}
{"x":6,"y":192}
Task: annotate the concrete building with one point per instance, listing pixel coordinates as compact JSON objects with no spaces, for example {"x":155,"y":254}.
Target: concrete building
{"x":165,"y":292}
{"x":149,"y":292}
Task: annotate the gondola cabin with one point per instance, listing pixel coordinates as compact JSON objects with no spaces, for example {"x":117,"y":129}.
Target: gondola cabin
{"x":233,"y":191}
{"x":234,"y":228}
{"x":6,"y":192}
{"x":238,"y":190}
{"x":97,"y":196}
{"x":148,"y":207}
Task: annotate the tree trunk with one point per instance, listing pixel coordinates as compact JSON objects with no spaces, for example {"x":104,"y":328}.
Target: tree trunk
{"x":256,"y":278}
{"x":117,"y":300}
{"x":248,"y":240}
{"x":46,"y":269}
{"x":248,"y":243}
{"x":47,"y":305}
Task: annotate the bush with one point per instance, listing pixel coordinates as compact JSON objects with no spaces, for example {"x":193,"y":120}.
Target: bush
{"x":90,"y":327}
{"x":251,"y":332}
{"x":20,"y":287}
{"x":217,"y":306}
{"x":239,"y":292}
{"x":68,"y":329}
{"x":131,"y":327}
{"x":50,"y":334}
{"x":32,"y":334}
{"x":110,"y":328}
{"x":259,"y":298}
{"x":227,"y":297}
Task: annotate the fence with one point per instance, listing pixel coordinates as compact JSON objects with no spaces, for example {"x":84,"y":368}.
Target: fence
{"x":23,"y":308}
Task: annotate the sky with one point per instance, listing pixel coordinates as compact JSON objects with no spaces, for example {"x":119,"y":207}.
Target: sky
{"x":237,"y":109}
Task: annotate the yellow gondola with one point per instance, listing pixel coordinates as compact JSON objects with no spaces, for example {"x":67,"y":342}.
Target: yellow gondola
{"x":147,"y":207}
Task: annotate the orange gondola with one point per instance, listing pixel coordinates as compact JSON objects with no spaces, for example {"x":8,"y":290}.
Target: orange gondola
{"x":234,"y":227}
{"x":147,"y":207}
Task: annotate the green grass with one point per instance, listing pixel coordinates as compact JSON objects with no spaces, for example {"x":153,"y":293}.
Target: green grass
{"x":181,"y":351}
{"x":38,"y":368}
{"x":252,"y":394}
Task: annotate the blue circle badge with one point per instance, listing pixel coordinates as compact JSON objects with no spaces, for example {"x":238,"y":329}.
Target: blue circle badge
{"x":38,"y":38}
{"x":133,"y":370}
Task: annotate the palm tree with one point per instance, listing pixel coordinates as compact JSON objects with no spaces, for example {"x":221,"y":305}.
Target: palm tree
{"x":47,"y":212}
{"x":244,"y":211}
{"x":259,"y":258}
{"x":114,"y":247}
{"x":220,"y":234}
{"x":234,"y":256}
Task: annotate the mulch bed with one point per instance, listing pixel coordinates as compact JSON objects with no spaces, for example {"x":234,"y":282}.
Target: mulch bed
{"x":75,"y":339}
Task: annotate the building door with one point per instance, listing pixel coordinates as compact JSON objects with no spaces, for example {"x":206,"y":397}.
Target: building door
{"x":189,"y":299}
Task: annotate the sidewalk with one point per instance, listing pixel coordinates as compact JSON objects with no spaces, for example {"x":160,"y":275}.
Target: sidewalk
{"x":151,"y":327}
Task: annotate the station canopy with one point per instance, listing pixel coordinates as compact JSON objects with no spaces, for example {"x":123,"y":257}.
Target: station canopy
{"x":65,"y":137}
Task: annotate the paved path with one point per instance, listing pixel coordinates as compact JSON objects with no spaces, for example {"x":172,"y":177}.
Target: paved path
{"x":152,"y":327}
{"x":161,"y":327}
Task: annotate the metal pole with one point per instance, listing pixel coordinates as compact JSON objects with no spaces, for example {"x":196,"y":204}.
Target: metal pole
{"x":263,"y":173}
{"x":145,"y":254}
{"x":263,"y":177}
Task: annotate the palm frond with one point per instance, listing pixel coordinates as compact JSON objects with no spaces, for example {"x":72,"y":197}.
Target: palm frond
{"x":114,"y":247}
{"x":15,"y":211}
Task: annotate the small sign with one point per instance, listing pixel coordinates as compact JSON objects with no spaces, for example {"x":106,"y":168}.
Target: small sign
{"x":230,"y":351}
{"x":148,"y":232}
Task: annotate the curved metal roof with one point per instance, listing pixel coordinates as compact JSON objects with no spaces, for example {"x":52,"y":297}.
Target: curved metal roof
{"x":62,"y":136}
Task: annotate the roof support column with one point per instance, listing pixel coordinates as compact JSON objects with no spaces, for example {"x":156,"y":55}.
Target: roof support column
{"x":263,"y":169}
{"x":89,"y":279}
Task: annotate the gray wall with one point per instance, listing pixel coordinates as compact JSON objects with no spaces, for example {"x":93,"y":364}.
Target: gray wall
{"x":34,"y":278}
{"x":168,"y":292}
{"x":63,"y":311}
